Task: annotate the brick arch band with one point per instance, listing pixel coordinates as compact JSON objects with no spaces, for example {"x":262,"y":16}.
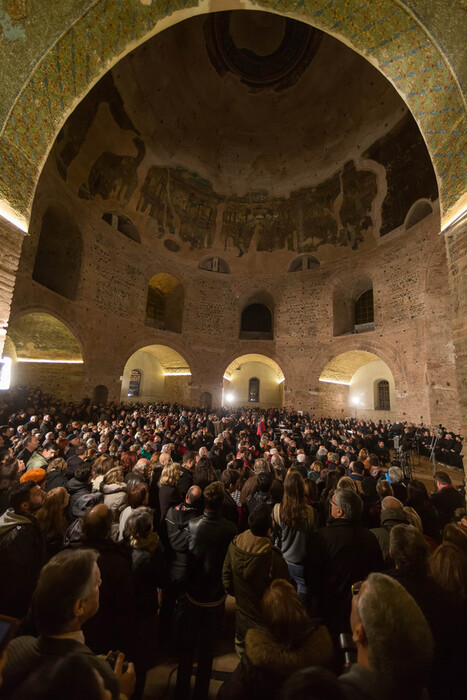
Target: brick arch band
{"x":382,"y":31}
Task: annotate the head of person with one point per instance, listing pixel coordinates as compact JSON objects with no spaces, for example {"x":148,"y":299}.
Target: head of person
{"x":293,"y":511}
{"x":204,"y":472}
{"x":363,"y":454}
{"x":113,"y":476}
{"x":96,"y":523}
{"x":260,"y":465}
{"x":138,"y":495}
{"x":214,"y":496}
{"x":416,"y":492}
{"x":102,"y":465}
{"x":139,"y":524}
{"x":189,"y":459}
{"x":346,"y":505}
{"x":38,"y":475}
{"x":25,"y":498}
{"x":230,"y":478}
{"x":83,"y":473}
{"x":51,"y":515}
{"x":58,"y":464}
{"x":284,"y":614}
{"x":9,"y":473}
{"x":31,"y":443}
{"x":391,"y":502}
{"x":448,"y":566}
{"x":345,"y":482}
{"x":395,"y":475}
{"x":392,"y":636}
{"x":264,"y":482}
{"x":194,"y":497}
{"x":311,"y":490}
{"x":49,"y":450}
{"x":457,"y":535}
{"x":413,"y":518}
{"x":128,"y":461}
{"x":357,"y":467}
{"x":383,"y":489}
{"x":409,"y":550}
{"x":67,"y":593}
{"x":260,"y":520}
{"x":442,"y":479}
{"x":170,"y":475}
{"x":165,"y":458}
{"x":316,"y":466}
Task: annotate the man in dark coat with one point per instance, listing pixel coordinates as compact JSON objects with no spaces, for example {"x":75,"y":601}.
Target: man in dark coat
{"x":22,"y":549}
{"x":186,"y":472}
{"x":341,"y":554}
{"x":208,"y":539}
{"x":251,"y":564}
{"x":446,"y":499}
{"x":75,"y":460}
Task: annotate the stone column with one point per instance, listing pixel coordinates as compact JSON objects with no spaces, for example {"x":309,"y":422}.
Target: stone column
{"x":456,"y":250}
{"x":11,"y":241}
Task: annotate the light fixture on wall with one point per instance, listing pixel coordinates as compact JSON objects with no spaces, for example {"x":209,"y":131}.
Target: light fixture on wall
{"x":5,"y":373}
{"x":230,"y":397}
{"x":50,"y":362}
{"x":279,"y":381}
{"x":177,"y":374}
{"x":334,"y":381}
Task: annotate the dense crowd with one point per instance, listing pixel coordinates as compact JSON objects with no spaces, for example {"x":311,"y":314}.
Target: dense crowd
{"x":124,"y":527}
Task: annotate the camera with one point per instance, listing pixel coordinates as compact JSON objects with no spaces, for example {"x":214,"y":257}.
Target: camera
{"x":111,"y":659}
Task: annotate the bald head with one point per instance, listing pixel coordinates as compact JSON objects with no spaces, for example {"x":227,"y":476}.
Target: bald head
{"x":391,"y":502}
{"x":193,"y":495}
{"x":97,"y":522}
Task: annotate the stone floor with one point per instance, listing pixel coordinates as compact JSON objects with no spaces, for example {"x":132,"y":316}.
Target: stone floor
{"x":161,"y":679}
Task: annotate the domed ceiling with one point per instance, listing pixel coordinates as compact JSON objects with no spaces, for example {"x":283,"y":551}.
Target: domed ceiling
{"x":243,"y":133}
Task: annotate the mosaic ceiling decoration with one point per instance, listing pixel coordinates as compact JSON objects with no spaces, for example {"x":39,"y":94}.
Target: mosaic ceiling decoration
{"x":380,"y":30}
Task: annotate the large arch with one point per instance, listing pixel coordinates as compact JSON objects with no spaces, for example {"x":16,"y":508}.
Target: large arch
{"x":263,"y":371}
{"x":351,"y":383}
{"x":397,"y":45}
{"x":164,"y":375}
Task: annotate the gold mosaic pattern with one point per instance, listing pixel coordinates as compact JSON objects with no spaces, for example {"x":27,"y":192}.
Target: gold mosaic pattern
{"x":378,"y":29}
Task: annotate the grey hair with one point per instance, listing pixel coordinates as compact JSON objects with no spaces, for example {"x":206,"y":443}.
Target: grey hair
{"x":400,"y":644}
{"x":261,"y":465}
{"x":391,"y":502}
{"x":350,"y":503}
{"x":395,"y":474}
{"x":409,"y":549}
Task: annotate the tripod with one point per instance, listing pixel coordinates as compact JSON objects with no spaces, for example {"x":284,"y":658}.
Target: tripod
{"x":434,"y":442}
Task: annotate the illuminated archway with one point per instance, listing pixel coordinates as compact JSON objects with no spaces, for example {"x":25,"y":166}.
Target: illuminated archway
{"x":350,"y":384}
{"x":266,"y":375}
{"x":163,"y":375}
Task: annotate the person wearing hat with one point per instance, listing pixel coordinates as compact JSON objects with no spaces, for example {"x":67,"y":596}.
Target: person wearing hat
{"x":73,"y":442}
{"x":42,"y":457}
{"x":22,"y":547}
{"x":37,"y":475}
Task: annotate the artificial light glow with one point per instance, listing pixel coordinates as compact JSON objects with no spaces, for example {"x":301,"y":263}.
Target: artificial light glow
{"x":51,"y":362}
{"x":5,"y":373}
{"x":177,"y":374}
{"x":454,"y":220}
{"x":229,"y":379}
{"x":334,"y":381}
{"x":10,"y":215}
{"x":355,"y":401}
{"x":279,"y":381}
{"x":229,"y":397}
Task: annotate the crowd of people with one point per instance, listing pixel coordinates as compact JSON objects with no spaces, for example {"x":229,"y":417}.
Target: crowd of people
{"x":124,"y":527}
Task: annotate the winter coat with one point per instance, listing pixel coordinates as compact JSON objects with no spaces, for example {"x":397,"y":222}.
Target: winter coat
{"x":116,"y":499}
{"x":79,"y":495}
{"x":37,"y":460}
{"x":168,"y":496}
{"x":293,"y":543}
{"x":389,"y":518}
{"x":251,"y":564}
{"x":267,"y":663}
{"x":55,"y":479}
{"x":22,"y":555}
{"x":176,"y":521}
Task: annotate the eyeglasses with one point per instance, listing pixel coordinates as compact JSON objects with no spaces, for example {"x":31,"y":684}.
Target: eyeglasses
{"x":356,"y":588}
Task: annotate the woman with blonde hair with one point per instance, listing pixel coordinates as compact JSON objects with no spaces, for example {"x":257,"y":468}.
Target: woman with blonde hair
{"x":101,"y":466}
{"x":288,"y":641}
{"x":56,"y":474}
{"x":52,"y":519}
{"x":115,"y":493}
{"x":345,"y":482}
{"x":448,"y":566}
{"x":169,"y":495}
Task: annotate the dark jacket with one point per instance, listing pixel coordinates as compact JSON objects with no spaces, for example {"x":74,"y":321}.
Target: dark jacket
{"x":168,"y":496}
{"x":229,"y":509}
{"x":77,"y":490}
{"x":208,"y":539}
{"x":112,"y":627}
{"x":341,"y":554}
{"x":267,"y":663}
{"x":27,"y":654}
{"x":251,"y":564}
{"x":147,"y":564}
{"x":22,"y":555}
{"x":72,"y":464}
{"x":54,"y":479}
{"x":389,"y":518}
{"x":176,"y":521}
{"x":446,"y":501}
{"x":186,"y":481}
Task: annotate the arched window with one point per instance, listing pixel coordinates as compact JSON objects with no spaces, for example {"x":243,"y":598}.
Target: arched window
{"x":155,"y":307}
{"x":100,"y":394}
{"x":304,"y":262}
{"x":135,"y":383}
{"x":165,"y":302}
{"x":383,"y":402}
{"x":214,"y":265}
{"x":256,"y":322}
{"x":364,"y":308}
{"x":417,"y":212}
{"x":253,"y":390}
{"x":123,"y":224}
{"x":58,"y":258}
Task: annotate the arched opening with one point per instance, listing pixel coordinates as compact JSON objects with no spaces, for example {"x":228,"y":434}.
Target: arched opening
{"x":162,"y":374}
{"x":353,"y":308}
{"x":253,"y":378}
{"x":417,"y":212}
{"x":100,"y":394}
{"x":304,"y":262}
{"x":256,"y":322}
{"x":123,"y":224}
{"x":357,"y":383}
{"x":58,"y":257}
{"x":165,"y":303}
{"x":45,"y":355}
{"x":205,"y":400}
{"x":214,"y":264}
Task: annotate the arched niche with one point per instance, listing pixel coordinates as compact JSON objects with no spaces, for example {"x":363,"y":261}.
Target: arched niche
{"x":100,"y":394}
{"x":165,"y":303}
{"x":123,"y":224}
{"x":349,"y":385}
{"x":253,"y":379}
{"x":257,"y":318}
{"x":57,"y":265}
{"x":162,"y":374}
{"x":304,"y":262}
{"x":417,"y":212}
{"x":205,"y":400}
{"x":350,"y":295}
